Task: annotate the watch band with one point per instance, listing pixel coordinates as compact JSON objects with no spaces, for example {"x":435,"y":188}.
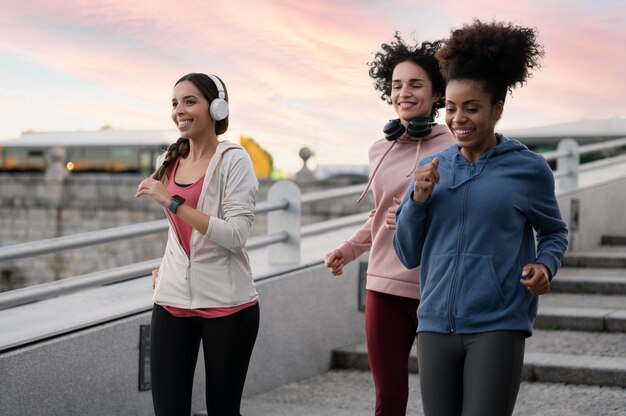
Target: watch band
{"x":175,"y":202}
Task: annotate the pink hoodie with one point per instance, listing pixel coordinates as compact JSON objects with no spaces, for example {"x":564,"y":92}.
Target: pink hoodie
{"x":392,"y":165}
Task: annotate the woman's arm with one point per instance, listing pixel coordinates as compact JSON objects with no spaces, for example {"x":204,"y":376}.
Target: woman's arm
{"x":237,"y":205}
{"x":545,"y":217}
{"x":408,"y":238}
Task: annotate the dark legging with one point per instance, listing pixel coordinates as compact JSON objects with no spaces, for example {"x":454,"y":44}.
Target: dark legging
{"x":470,"y":375}
{"x":227,"y":343}
{"x":390,"y":325}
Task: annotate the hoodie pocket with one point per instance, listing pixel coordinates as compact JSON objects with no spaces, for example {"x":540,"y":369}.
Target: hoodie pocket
{"x":436,"y":280}
{"x":479,"y":290}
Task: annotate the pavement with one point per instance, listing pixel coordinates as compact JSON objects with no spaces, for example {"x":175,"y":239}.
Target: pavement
{"x":351,"y":393}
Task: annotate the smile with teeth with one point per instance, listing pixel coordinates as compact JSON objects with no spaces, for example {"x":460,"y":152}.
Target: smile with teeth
{"x":462,"y":132}
{"x":406,"y":105}
{"x":183,"y":123}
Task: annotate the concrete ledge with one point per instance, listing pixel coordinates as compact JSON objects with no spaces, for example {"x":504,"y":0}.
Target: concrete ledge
{"x":576,"y":369}
{"x":614,"y":239}
{"x":581,"y":319}
{"x":544,"y":367}
{"x":599,"y":259}
{"x":604,"y":285}
{"x":355,"y":357}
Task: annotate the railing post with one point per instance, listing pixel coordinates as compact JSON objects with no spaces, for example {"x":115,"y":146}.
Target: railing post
{"x":287,"y":220}
{"x":568,"y":163}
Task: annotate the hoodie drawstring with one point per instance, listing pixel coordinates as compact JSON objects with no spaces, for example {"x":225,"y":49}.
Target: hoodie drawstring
{"x":369,"y":182}
{"x":417,"y":157}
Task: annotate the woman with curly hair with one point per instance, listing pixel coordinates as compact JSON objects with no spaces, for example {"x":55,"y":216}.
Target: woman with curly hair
{"x":408,"y":78}
{"x":481,"y":220}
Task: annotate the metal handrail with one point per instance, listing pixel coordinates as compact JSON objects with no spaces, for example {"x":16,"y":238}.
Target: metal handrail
{"x":590,"y":148}
{"x":585,"y":149}
{"x":602,"y":163}
{"x":330,"y":194}
{"x":555,"y":154}
{"x":91,"y":238}
{"x":48,"y":290}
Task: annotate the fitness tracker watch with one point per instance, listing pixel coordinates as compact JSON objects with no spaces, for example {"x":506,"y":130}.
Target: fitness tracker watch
{"x":175,"y":202}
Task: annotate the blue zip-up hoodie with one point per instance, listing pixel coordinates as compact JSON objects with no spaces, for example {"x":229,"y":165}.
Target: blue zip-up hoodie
{"x":474,"y":234}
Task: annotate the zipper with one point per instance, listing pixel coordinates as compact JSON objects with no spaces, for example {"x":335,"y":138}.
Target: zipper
{"x":459,"y":249}
{"x":188,"y":274}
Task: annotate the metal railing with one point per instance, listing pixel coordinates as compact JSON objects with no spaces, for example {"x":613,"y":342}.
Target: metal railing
{"x":285,"y":231}
{"x":283,"y":237}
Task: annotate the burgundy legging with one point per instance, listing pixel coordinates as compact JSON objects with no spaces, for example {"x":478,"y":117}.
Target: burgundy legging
{"x":390,"y":325}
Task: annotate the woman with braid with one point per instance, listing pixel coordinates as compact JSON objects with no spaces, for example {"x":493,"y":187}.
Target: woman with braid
{"x":203,"y":290}
{"x":482,"y":221}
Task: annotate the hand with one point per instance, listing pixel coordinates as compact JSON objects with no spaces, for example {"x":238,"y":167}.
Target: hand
{"x":155,"y":276}
{"x":390,"y":218}
{"x":155,"y":189}
{"x":535,"y":278}
{"x":426,"y":177}
{"x":334,"y":261}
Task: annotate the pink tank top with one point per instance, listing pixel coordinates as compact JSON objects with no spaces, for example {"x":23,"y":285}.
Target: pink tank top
{"x":191,"y":193}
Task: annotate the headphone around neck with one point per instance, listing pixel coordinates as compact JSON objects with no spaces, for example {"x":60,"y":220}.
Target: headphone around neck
{"x":218,"y":109}
{"x":418,"y":127}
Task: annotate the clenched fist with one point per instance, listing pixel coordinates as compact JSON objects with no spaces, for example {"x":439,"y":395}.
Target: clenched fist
{"x":425,"y":179}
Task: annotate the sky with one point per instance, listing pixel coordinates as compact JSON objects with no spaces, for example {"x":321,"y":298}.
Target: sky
{"x":296,"y":70}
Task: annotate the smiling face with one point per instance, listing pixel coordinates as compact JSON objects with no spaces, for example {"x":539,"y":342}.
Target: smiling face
{"x":471,"y":117}
{"x":411,"y":91}
{"x":190,"y":111}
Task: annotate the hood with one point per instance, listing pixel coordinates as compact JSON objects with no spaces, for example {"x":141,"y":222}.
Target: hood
{"x":459,"y":163}
{"x":437,"y":131}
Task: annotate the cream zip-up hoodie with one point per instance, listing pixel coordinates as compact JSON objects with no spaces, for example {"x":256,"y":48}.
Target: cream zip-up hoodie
{"x":392,"y":165}
{"x":218,"y":274}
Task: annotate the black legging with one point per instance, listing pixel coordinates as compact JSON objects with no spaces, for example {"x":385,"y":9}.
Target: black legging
{"x":227,"y":343}
{"x":470,"y":375}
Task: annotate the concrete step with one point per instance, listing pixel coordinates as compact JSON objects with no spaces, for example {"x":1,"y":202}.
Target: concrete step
{"x":605,"y":256}
{"x":575,"y":369}
{"x":590,"y":280}
{"x":582,"y":301}
{"x":587,"y":343}
{"x":585,"y":312}
{"x":582,"y":319}
{"x":551,"y":356}
{"x":614,"y":240}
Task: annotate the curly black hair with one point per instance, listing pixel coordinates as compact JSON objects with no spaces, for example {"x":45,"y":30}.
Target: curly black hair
{"x":499,"y":54}
{"x":396,"y":52}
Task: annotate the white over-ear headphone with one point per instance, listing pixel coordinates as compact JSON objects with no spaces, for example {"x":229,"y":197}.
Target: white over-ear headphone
{"x":219,"y":106}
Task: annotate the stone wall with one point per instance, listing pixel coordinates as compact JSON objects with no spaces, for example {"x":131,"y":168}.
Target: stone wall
{"x":33,"y":208}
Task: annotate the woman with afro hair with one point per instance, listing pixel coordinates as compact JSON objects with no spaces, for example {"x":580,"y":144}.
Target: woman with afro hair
{"x":409,"y":79}
{"x":481,"y":220}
